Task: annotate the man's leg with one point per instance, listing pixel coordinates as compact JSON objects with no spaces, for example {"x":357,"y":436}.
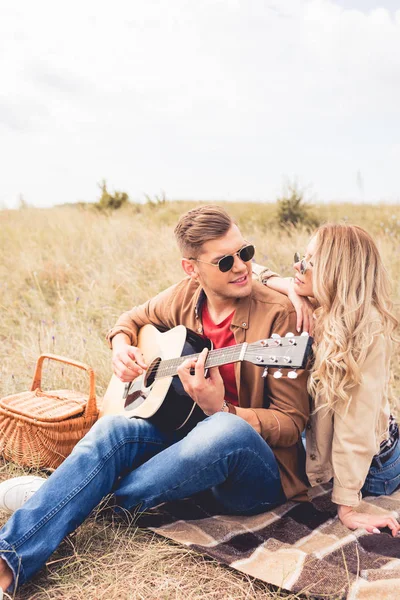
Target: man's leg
{"x":113,"y":447}
{"x":224,"y":454}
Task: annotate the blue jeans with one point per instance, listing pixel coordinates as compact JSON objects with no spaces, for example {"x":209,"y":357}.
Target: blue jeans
{"x":142,"y":466}
{"x":384,"y":473}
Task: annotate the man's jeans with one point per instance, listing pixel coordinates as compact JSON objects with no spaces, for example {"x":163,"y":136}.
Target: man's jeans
{"x":143,"y":467}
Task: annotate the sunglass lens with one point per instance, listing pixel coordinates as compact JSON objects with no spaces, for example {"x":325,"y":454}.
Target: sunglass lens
{"x":247,"y":253}
{"x":296,"y":257}
{"x":226,"y":264}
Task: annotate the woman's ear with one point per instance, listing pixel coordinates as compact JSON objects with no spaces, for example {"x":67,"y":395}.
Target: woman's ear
{"x":190,"y":268}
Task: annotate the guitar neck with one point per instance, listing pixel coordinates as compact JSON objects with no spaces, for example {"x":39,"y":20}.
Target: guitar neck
{"x":215,"y":358}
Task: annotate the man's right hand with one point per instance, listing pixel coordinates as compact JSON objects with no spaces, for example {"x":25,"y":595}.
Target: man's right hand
{"x":127,"y":362}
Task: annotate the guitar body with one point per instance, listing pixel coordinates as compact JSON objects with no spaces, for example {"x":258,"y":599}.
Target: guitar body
{"x":162,"y":401}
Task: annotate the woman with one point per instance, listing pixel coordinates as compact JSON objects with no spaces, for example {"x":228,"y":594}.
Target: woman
{"x":351,"y":437}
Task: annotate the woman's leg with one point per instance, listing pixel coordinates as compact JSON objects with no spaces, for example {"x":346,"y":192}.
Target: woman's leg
{"x":113,"y":447}
{"x":223,"y":453}
{"x":384,"y":474}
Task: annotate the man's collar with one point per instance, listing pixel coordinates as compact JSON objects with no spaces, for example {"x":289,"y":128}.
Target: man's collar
{"x":200,"y":299}
{"x":241,"y":314}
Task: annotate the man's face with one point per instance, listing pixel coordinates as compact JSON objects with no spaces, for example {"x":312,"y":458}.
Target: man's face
{"x":235,"y":283}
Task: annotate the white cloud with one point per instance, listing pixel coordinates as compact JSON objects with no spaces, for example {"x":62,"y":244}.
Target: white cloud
{"x":202,"y":99}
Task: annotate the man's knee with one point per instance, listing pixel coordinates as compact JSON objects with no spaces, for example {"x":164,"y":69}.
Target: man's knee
{"x":227,"y":429}
{"x":108,"y":427}
{"x":110,"y":423}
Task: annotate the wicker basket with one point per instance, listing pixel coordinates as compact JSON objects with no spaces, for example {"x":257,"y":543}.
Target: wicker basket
{"x":39,"y":429}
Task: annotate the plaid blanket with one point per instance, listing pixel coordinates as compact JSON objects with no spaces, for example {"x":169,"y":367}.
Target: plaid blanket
{"x":299,"y":547}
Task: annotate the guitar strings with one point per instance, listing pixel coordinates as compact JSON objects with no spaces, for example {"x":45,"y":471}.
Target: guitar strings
{"x":217,"y":354}
{"x":162,"y":368}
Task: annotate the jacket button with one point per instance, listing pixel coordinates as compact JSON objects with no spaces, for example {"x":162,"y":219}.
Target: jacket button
{"x":313,"y":456}
{"x":318,"y":480}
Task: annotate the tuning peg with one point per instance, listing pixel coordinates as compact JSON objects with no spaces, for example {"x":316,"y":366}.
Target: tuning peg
{"x":275,"y":336}
{"x":292,"y":374}
{"x":289,"y":334}
{"x":277,"y":374}
{"x":265,"y":372}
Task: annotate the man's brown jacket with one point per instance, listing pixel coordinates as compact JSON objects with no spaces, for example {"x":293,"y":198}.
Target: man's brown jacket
{"x":282,"y":405}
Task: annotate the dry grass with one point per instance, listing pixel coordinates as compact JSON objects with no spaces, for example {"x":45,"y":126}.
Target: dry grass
{"x":65,"y":276}
{"x":111,"y":558}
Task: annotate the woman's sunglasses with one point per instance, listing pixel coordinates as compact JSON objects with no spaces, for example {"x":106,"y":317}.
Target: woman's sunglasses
{"x":304,"y":265}
{"x":225,"y":263}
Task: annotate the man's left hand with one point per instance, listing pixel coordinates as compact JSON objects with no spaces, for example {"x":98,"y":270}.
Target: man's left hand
{"x":207,"y":392}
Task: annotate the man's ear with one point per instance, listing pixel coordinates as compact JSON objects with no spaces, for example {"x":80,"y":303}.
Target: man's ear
{"x":190,"y":268}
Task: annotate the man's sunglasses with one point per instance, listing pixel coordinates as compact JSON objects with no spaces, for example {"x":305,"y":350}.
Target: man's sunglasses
{"x":304,"y":265}
{"x":225,"y":263}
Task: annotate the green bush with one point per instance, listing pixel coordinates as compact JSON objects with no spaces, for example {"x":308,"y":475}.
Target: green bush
{"x":293,"y":209}
{"x":111,"y":201}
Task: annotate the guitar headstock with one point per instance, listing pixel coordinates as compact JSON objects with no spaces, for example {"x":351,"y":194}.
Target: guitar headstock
{"x":290,"y":352}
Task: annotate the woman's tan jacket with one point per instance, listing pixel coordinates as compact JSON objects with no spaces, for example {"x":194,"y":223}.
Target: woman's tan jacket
{"x":341,"y":444}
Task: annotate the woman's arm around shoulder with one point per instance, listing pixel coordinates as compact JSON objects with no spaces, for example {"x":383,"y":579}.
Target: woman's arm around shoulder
{"x":285,"y":285}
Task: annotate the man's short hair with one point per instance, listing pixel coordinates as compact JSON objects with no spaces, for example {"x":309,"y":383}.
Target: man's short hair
{"x":201,"y":225}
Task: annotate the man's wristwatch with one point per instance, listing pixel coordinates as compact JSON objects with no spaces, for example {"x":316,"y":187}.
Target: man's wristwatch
{"x":227,"y":407}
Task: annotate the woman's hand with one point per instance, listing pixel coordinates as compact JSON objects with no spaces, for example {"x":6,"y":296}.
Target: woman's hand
{"x":353,"y":520}
{"x":304,"y":309}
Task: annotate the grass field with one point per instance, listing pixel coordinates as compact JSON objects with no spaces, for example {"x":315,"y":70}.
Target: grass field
{"x":66,"y":274}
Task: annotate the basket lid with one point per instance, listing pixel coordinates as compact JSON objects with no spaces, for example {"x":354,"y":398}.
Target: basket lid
{"x":49,"y":406}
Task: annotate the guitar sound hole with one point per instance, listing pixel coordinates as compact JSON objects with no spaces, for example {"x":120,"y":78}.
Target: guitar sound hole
{"x":151,"y":372}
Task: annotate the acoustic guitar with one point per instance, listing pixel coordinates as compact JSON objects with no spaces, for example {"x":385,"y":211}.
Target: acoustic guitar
{"x":158,"y":394}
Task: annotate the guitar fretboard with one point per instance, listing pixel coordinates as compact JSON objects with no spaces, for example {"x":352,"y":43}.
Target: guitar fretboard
{"x":215,"y":358}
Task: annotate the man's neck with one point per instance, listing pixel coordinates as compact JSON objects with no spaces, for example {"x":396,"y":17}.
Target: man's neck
{"x":219,"y":309}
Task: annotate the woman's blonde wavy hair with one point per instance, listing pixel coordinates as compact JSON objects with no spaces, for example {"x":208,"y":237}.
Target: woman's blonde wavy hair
{"x":349,"y":281}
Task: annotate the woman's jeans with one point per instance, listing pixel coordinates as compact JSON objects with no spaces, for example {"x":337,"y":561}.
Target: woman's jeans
{"x":142,"y":466}
{"x":384,"y":473}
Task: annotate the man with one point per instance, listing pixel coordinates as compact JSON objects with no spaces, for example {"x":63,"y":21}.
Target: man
{"x":247,"y":451}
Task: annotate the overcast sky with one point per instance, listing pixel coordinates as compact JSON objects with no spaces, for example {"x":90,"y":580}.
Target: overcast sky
{"x":203,"y":99}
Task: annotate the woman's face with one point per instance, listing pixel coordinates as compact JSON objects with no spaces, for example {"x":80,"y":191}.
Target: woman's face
{"x":303,"y":281}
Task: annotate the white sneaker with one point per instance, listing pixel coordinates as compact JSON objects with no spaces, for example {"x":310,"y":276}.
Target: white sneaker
{"x":15,"y":492}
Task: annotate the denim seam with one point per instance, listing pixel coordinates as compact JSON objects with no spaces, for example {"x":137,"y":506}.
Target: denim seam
{"x":213,"y":463}
{"x":387,"y":466}
{"x":389,"y":482}
{"x":83,"y":484}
